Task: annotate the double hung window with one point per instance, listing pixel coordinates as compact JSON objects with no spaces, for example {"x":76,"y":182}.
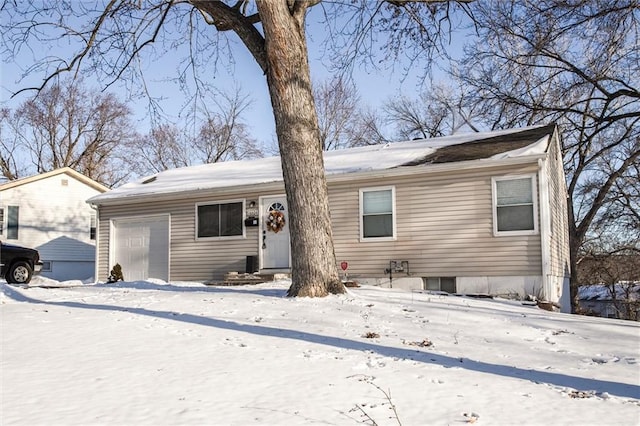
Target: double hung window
{"x":514,"y":201}
{"x":377,"y":213}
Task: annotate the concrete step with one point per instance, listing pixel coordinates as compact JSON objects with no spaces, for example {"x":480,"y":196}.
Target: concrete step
{"x":235,"y":278}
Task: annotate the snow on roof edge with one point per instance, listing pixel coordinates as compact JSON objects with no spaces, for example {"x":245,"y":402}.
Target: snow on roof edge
{"x":267,"y":170}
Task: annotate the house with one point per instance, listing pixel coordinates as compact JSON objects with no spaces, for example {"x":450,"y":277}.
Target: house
{"x":469,"y":213}
{"x":610,"y":285}
{"x":49,"y":212}
{"x":620,"y":300}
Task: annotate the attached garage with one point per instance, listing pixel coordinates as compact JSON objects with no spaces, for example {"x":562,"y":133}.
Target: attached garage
{"x":141,"y":246}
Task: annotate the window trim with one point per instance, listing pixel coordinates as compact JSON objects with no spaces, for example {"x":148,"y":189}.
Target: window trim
{"x":224,"y":237}
{"x":393,"y":237}
{"x":494,"y":203}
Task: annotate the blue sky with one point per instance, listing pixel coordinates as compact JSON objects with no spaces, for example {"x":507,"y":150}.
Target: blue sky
{"x":374,"y":85}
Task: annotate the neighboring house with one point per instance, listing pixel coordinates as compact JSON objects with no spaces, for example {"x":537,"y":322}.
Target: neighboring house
{"x":621,"y":300}
{"x":49,"y":212}
{"x":610,"y":285}
{"x":471,"y":213}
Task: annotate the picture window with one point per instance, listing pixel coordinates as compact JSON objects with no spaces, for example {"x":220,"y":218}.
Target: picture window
{"x":219,"y":220}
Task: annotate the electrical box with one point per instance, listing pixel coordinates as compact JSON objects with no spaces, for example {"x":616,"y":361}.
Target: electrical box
{"x":399,"y":266}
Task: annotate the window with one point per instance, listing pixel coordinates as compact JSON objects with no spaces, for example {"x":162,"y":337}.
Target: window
{"x":1,"y":220}
{"x":92,"y":227}
{"x":447,"y":284}
{"x":219,"y":220}
{"x":12,"y":222}
{"x":514,"y":203}
{"x":377,"y":213}
{"x":46,"y":266}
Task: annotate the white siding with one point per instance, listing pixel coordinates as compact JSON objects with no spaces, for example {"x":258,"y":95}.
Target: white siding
{"x":55,"y":219}
{"x":50,"y":210}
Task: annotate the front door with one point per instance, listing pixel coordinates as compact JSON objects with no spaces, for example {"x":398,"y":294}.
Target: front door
{"x":275,"y":233}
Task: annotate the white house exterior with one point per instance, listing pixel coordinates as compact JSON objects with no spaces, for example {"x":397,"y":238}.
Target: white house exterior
{"x":49,"y":212}
{"x":471,"y":213}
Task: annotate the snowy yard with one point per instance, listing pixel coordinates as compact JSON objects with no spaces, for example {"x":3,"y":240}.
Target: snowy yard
{"x":151,"y":353}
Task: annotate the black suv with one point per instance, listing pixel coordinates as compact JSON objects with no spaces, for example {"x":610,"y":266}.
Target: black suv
{"x":18,"y":264}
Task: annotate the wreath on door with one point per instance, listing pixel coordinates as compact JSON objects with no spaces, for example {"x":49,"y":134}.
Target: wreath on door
{"x":275,"y":221}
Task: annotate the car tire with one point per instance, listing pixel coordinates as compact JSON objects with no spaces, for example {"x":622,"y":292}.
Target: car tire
{"x":20,"y":273}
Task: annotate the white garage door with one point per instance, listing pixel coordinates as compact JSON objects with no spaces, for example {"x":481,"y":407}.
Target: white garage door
{"x":141,"y":247}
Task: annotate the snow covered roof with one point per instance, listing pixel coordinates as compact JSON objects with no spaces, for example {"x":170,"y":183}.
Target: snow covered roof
{"x":64,"y":170}
{"x":630,"y":290}
{"x":497,"y":145}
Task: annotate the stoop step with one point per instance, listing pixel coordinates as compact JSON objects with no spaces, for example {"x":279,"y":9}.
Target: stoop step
{"x":235,"y":278}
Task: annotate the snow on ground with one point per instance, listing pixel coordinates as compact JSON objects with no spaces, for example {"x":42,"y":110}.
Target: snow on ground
{"x":152,"y":353}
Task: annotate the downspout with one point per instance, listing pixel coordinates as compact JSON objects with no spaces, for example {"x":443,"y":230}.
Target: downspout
{"x":95,"y":257}
{"x":545,"y":230}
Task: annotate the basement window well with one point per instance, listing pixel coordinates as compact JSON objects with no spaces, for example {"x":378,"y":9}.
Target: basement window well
{"x":446,"y":284}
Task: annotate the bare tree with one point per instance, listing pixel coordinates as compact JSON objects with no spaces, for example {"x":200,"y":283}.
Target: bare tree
{"x":221,"y":135}
{"x":413,"y":119}
{"x":619,"y":272}
{"x":224,"y":135}
{"x":113,"y":37}
{"x":9,"y":148}
{"x":337,"y":105}
{"x":69,"y":125}
{"x":163,"y":148}
{"x":575,"y":63}
{"x":438,"y":111}
{"x":369,"y":128}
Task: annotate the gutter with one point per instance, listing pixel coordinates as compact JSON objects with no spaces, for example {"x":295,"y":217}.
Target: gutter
{"x":335,"y":178}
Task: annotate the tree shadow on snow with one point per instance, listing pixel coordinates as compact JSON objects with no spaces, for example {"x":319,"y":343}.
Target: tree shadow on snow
{"x":579,"y":383}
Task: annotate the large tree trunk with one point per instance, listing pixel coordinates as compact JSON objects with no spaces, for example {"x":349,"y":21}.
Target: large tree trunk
{"x":314,"y":269}
{"x":573,"y":281}
{"x":575,"y":241}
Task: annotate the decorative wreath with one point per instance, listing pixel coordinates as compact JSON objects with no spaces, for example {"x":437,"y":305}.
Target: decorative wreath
{"x":275,"y":221}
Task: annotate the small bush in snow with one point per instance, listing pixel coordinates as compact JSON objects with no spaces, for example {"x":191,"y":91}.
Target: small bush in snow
{"x":116,"y":274}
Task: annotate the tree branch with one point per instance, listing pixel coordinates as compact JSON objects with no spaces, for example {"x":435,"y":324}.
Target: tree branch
{"x":226,"y":18}
{"x":79,"y":57}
